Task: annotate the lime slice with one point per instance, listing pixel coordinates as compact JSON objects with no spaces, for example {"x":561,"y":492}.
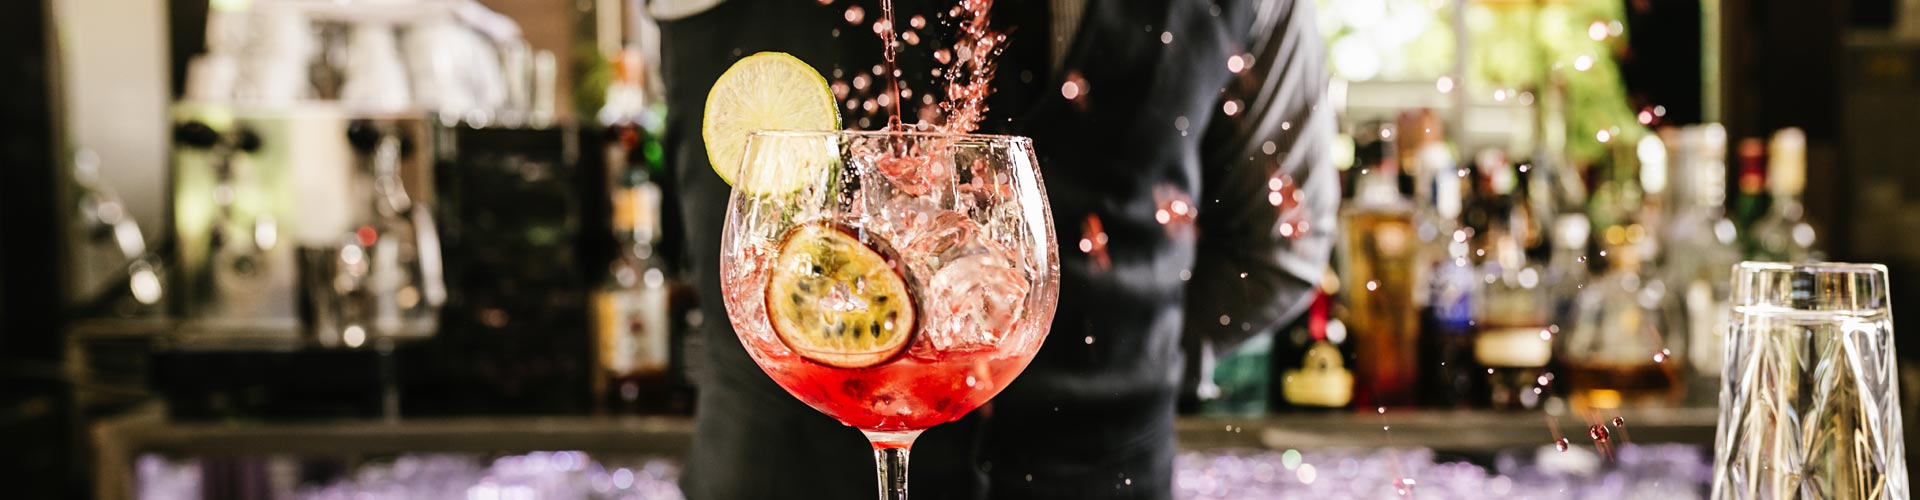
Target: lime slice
{"x":836,"y":301}
{"x":768,"y":91}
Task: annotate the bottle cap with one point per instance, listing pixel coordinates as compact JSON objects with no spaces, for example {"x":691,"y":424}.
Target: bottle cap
{"x":1787,"y":162}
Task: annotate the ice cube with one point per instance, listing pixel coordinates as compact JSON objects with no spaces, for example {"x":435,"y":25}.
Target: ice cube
{"x":934,"y":238}
{"x":971,"y":304}
{"x":914,"y":174}
{"x":985,"y":185}
{"x":899,"y":218}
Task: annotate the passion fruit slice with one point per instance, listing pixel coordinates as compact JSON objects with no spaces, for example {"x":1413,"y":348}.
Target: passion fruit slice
{"x":837,"y":301}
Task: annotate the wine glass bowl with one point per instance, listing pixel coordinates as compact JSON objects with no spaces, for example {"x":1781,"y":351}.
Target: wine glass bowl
{"x":893,"y":281}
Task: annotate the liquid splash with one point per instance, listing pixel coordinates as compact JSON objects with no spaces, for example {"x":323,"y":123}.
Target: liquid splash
{"x":975,"y":48}
{"x":1093,"y":242}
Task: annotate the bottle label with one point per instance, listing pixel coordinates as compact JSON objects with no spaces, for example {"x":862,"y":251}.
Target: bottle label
{"x":1322,"y":380}
{"x":633,"y":330}
{"x":1512,"y":347}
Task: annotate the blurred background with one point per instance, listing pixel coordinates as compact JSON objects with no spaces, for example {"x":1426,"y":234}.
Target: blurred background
{"x":419,"y":249}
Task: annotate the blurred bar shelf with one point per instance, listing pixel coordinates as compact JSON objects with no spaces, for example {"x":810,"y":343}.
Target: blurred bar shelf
{"x":207,"y":335}
{"x":147,"y":430}
{"x":1455,"y":431}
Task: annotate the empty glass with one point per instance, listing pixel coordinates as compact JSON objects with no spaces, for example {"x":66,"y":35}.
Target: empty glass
{"x":1810,"y":406}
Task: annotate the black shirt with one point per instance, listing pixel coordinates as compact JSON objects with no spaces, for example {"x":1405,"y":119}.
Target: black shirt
{"x":1158,"y":114}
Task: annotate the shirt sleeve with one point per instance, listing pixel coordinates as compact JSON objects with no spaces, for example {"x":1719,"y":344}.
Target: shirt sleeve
{"x":1269,"y":190}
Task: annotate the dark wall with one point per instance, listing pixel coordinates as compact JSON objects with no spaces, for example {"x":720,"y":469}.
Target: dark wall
{"x":33,"y":404}
{"x":1782,"y":63}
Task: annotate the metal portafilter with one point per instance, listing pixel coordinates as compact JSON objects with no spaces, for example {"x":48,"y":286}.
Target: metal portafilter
{"x":238,"y":239}
{"x":381,"y":282}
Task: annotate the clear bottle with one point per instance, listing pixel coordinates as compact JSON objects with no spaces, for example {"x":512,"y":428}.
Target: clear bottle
{"x":1783,"y":234}
{"x":1617,"y":347}
{"x":1379,"y":252}
{"x":1702,"y":245}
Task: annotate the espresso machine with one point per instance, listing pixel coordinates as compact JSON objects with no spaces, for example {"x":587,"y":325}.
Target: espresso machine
{"x":316,"y":268}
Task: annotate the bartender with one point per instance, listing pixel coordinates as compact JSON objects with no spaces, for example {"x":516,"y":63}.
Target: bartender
{"x":1132,"y":105}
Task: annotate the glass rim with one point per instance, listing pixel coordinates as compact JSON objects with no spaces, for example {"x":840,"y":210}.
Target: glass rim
{"x":1018,"y":139}
{"x":1814,"y":267}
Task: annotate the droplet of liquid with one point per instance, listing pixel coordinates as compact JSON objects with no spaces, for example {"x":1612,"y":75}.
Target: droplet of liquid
{"x":917,"y":21}
{"x":1373,"y":285}
{"x":1598,"y":433}
{"x":855,"y":14}
{"x":1661,"y":357}
{"x":1560,"y":445}
{"x":1619,"y":421}
{"x":1403,"y":486}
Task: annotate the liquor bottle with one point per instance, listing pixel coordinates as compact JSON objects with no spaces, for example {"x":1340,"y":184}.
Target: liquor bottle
{"x":1751,"y":202}
{"x":1451,"y":377}
{"x":631,"y":304}
{"x":1513,"y":341}
{"x":1444,"y":280}
{"x":1312,"y":359}
{"x":1378,"y":251}
{"x":1427,"y":162}
{"x":1617,"y":347}
{"x":1701,"y":245}
{"x":1783,"y":234}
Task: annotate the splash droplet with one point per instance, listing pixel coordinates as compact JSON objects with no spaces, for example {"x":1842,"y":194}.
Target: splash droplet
{"x":1403,"y":486}
{"x":1373,"y":285}
{"x":1619,"y":421}
{"x":1598,"y":433}
{"x":1561,"y":444}
{"x":855,"y":14}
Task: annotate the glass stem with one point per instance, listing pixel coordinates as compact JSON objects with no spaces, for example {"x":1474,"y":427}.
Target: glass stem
{"x":890,"y":450}
{"x":891,"y":464}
